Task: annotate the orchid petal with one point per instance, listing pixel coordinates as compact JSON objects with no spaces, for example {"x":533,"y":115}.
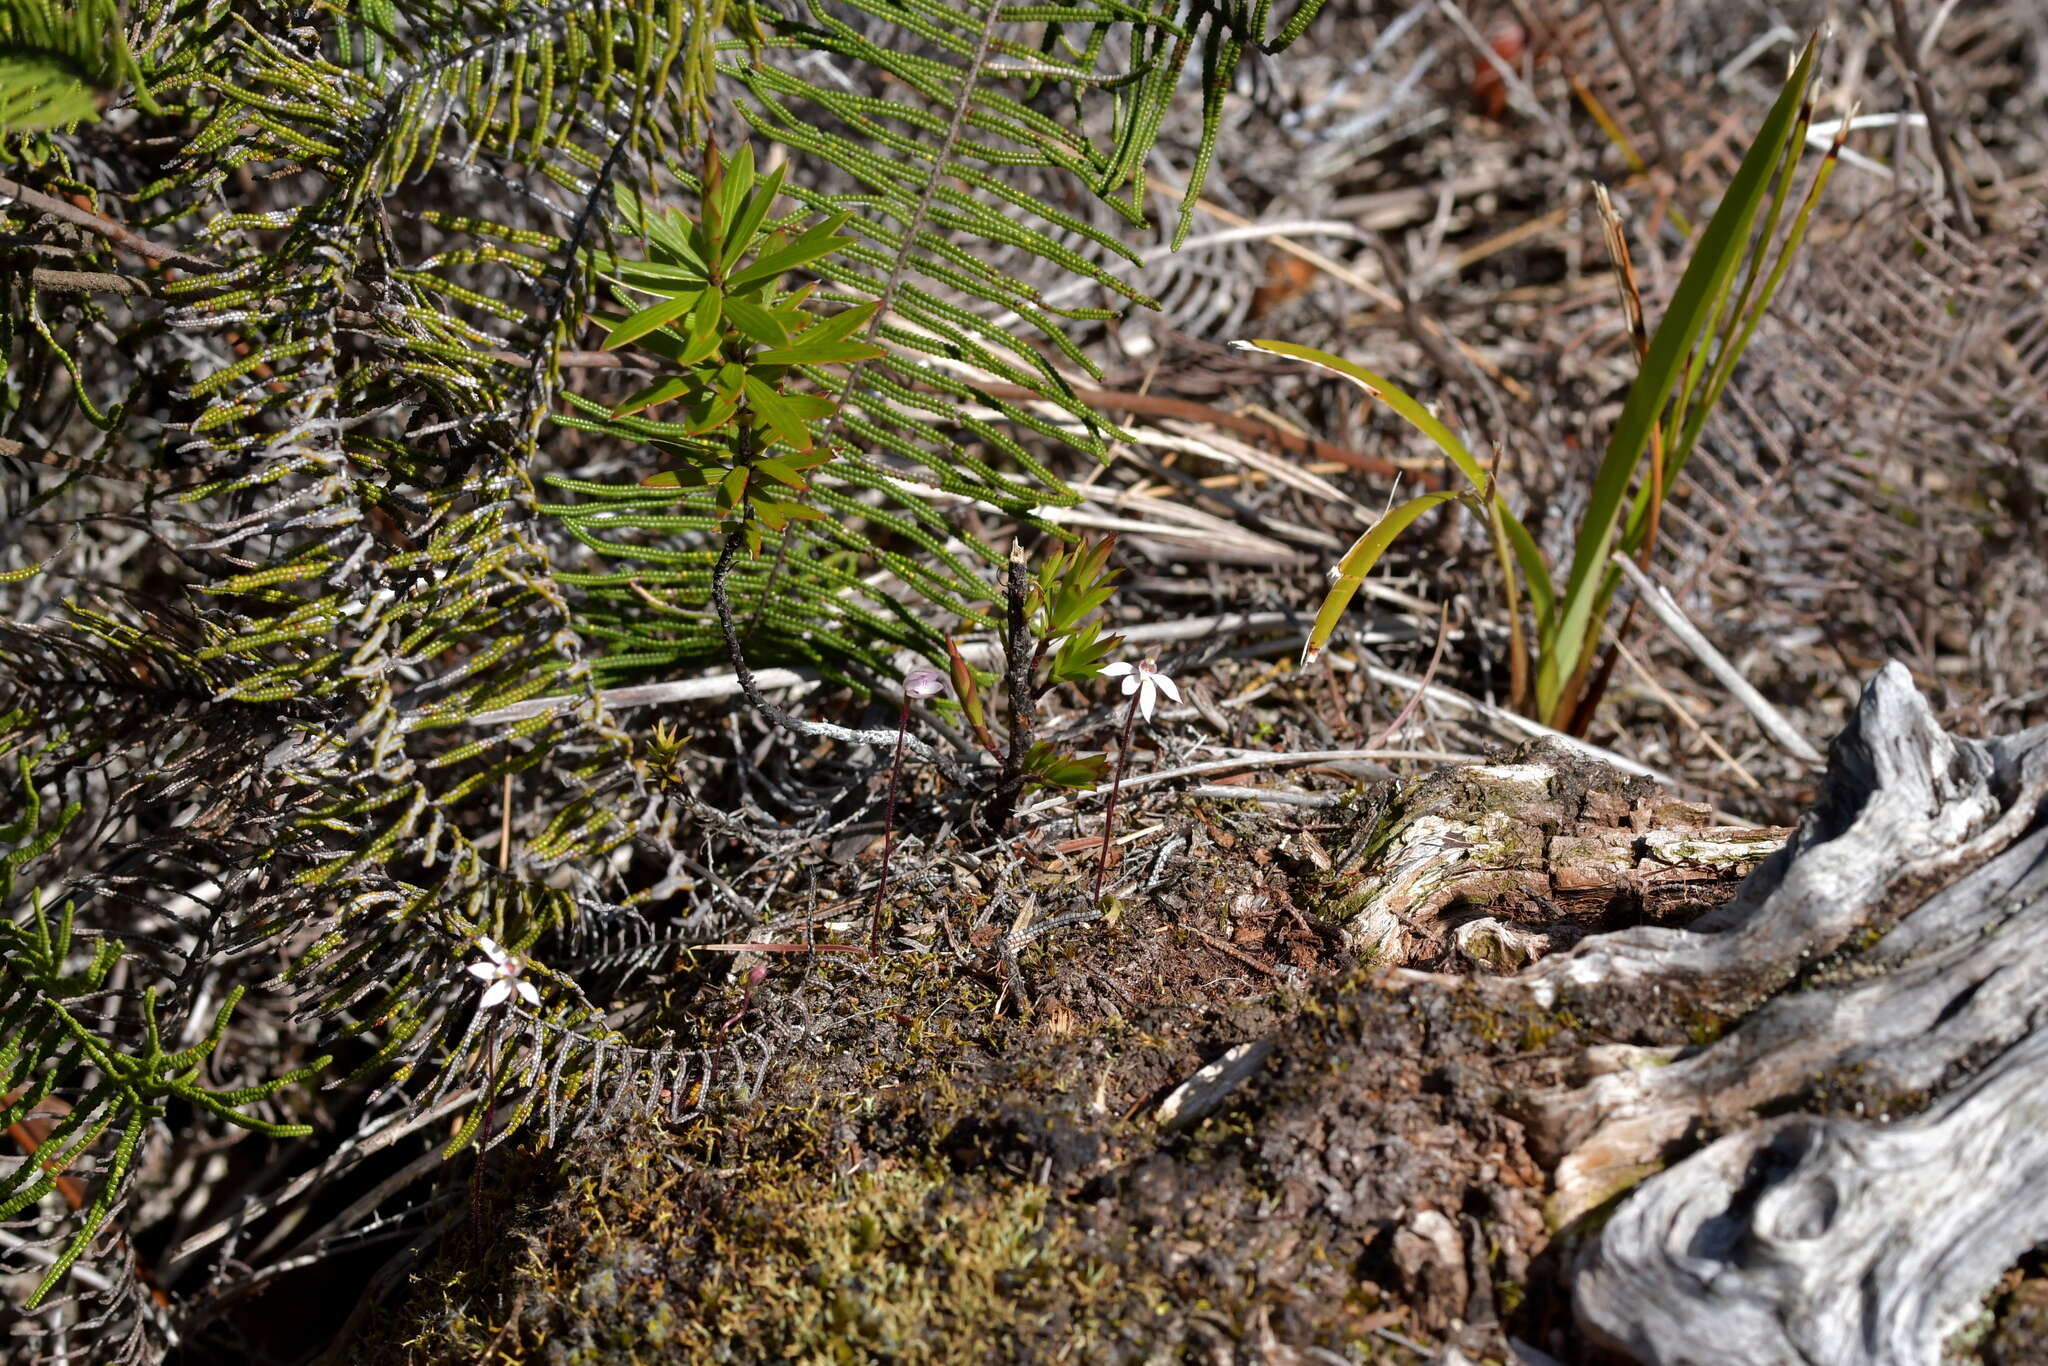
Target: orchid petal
{"x":1130,"y":685}
{"x":497,"y":994}
{"x":527,"y":992}
{"x":1116,"y":670}
{"x":490,"y":948}
{"x":1147,"y":700}
{"x":483,"y":971}
{"x":1166,"y":684}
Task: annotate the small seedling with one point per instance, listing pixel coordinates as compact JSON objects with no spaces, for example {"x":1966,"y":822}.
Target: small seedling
{"x":1052,"y":635}
{"x":1142,"y":684}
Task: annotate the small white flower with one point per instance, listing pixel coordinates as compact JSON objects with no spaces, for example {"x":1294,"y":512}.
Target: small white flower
{"x":1144,"y":679}
{"x":503,"y":974}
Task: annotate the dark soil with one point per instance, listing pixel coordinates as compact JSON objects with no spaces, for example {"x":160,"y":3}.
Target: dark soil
{"x":937,"y":1169}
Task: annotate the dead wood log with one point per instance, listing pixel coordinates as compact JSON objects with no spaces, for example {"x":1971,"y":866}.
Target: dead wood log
{"x":1886,"y":975}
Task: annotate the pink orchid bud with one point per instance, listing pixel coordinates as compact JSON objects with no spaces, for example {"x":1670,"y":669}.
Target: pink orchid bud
{"x":923,"y":683}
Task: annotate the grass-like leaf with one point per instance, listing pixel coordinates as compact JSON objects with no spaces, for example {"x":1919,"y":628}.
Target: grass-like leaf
{"x":1685,"y":366}
{"x":1719,"y":253}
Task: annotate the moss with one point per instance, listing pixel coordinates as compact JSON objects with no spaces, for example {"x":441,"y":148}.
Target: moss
{"x":1702,"y":1026}
{"x":1852,"y":1091}
{"x":928,"y":1177}
{"x":1538,"y":1033}
{"x":645,"y":1253}
{"x":1602,"y":1204}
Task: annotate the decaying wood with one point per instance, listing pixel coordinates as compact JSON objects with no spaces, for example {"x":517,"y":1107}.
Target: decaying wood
{"x":1895,"y":950}
{"x":1808,"y":1127}
{"x":1481,"y":837}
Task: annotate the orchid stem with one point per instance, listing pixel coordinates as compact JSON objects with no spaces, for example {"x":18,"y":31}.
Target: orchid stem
{"x":476,"y":1175}
{"x":889,"y":827}
{"x":1123,"y":757}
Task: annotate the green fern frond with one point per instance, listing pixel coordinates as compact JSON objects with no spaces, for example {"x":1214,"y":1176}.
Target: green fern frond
{"x":378,"y":507}
{"x":57,"y":62}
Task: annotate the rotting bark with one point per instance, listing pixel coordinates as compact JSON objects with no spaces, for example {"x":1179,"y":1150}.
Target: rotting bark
{"x":1481,"y":857}
{"x":1904,"y":932}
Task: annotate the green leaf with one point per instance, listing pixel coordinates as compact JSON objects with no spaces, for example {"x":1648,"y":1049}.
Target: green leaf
{"x":732,"y":489}
{"x":1714,"y":260}
{"x":810,"y":407}
{"x":1359,"y":560}
{"x":1535,"y":573}
{"x":722,"y":205}
{"x":1074,"y":584}
{"x":790,"y":429}
{"x":1048,"y":767}
{"x":782,"y":472}
{"x":707,"y":328}
{"x":1385,"y":391}
{"x":659,"y":276}
{"x":713,"y":411}
{"x":840,"y":325}
{"x":804,"y":351}
{"x":667,"y":231}
{"x":648,"y":319}
{"x":747,"y":222}
{"x":661,"y":391}
{"x":820,"y":241}
{"x":689,"y":477}
{"x":755,"y":323}
{"x":1079,"y":657}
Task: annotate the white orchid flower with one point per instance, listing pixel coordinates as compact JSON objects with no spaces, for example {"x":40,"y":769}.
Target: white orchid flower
{"x":1144,"y":679}
{"x":503,"y":972}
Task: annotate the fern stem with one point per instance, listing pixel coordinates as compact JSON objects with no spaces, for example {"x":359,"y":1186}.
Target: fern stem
{"x":721,"y":604}
{"x":957,"y":122}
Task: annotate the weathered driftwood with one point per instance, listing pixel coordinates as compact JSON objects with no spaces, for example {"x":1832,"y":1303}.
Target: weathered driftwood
{"x":1882,"y":975}
{"x":1895,"y":950}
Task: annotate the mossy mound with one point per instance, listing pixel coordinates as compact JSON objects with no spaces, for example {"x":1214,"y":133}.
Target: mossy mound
{"x":1026,"y":1214}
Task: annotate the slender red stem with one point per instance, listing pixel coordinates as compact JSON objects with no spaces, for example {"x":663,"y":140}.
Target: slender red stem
{"x":889,"y":827}
{"x":1123,"y":756}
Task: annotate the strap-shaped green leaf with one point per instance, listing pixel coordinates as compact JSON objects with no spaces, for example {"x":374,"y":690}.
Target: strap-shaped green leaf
{"x":781,"y":419}
{"x":819,"y":241}
{"x":1358,"y":562}
{"x":1714,"y":261}
{"x":652,"y":317}
{"x":756,"y":323}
